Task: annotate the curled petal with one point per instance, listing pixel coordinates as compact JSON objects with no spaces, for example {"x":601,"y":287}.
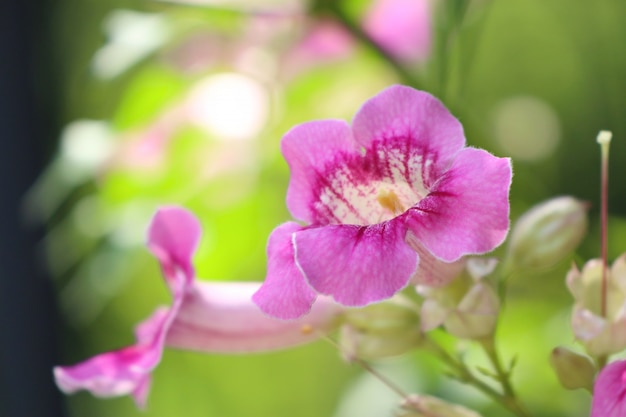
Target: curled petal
{"x":173,"y":237}
{"x":285,"y":294}
{"x":124,"y":371}
{"x":467,"y":210}
{"x":609,"y":392}
{"x":356,"y":265}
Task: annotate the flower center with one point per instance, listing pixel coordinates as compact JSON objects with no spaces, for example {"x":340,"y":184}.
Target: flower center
{"x":389,"y":200}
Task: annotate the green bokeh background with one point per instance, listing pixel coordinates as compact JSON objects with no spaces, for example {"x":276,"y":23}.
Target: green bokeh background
{"x":568,"y":54}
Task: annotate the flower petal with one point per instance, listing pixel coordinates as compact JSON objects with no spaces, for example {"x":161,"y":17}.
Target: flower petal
{"x":308,"y":148}
{"x":431,"y":271}
{"x":467,"y":211}
{"x":173,"y":237}
{"x":123,"y":371}
{"x":285,"y":293}
{"x":221,"y":317}
{"x":609,"y":392}
{"x":356,"y":265}
{"x":417,"y":119}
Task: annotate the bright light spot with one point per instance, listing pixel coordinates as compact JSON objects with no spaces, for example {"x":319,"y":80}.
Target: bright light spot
{"x":87,"y":144}
{"x":231,"y":106}
{"x":526,"y":128}
{"x":132,"y":36}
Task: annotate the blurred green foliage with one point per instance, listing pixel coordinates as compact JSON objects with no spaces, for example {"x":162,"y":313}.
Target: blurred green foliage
{"x":565,"y":55}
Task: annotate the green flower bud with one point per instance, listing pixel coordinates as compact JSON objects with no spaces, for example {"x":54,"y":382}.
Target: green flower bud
{"x":389,"y":328}
{"x":573,"y":370}
{"x":548,"y":232}
{"x":427,"y":406}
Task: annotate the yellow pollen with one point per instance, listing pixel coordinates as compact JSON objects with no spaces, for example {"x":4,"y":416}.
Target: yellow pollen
{"x":390,"y":201}
{"x":306,"y":329}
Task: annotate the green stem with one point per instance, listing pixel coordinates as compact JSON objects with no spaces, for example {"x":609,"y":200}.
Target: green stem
{"x":449,"y":22}
{"x":504,"y":376}
{"x":464,"y":374}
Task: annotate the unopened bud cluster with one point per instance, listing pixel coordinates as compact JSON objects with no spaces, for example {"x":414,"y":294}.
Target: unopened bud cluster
{"x":467,"y":307}
{"x":601,"y":332}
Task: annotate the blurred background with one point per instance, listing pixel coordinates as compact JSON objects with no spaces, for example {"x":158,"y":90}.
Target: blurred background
{"x":113,"y":108}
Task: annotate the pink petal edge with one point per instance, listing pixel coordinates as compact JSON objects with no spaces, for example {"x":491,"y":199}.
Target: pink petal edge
{"x":284,"y":293}
{"x":402,"y":112}
{"x":308,"y":148}
{"x":467,"y":211}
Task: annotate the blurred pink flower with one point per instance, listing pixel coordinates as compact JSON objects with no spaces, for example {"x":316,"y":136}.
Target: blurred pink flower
{"x":402,"y":27}
{"x":204,"y":316}
{"x":395,"y":187}
{"x":609,"y":392}
{"x":146,"y":149}
{"x":323,"y":41}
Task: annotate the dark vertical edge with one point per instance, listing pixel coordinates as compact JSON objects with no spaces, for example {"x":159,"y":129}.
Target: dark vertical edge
{"x":28,"y":346}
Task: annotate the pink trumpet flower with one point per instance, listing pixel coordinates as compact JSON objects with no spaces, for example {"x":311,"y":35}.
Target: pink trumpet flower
{"x":217,"y":317}
{"x":609,"y":392}
{"x":396,"y":197}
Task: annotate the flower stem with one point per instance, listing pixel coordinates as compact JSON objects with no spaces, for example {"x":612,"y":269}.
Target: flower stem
{"x":489,"y":347}
{"x":507,"y":399}
{"x":382,"y":378}
{"x":368,"y":368}
{"x":604,"y":139}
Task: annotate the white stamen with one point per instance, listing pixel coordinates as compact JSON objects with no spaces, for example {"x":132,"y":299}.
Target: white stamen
{"x":604,"y":137}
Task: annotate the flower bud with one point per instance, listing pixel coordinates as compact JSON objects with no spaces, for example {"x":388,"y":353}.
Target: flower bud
{"x":427,"y":406}
{"x":601,"y":329}
{"x":572,"y":369}
{"x":467,"y":307}
{"x":380,"y":330}
{"x":548,"y":232}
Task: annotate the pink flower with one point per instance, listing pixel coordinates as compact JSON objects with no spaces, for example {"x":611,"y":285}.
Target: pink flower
{"x":609,"y":392}
{"x":402,"y":27}
{"x":204,"y":316}
{"x":394,"y":190}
